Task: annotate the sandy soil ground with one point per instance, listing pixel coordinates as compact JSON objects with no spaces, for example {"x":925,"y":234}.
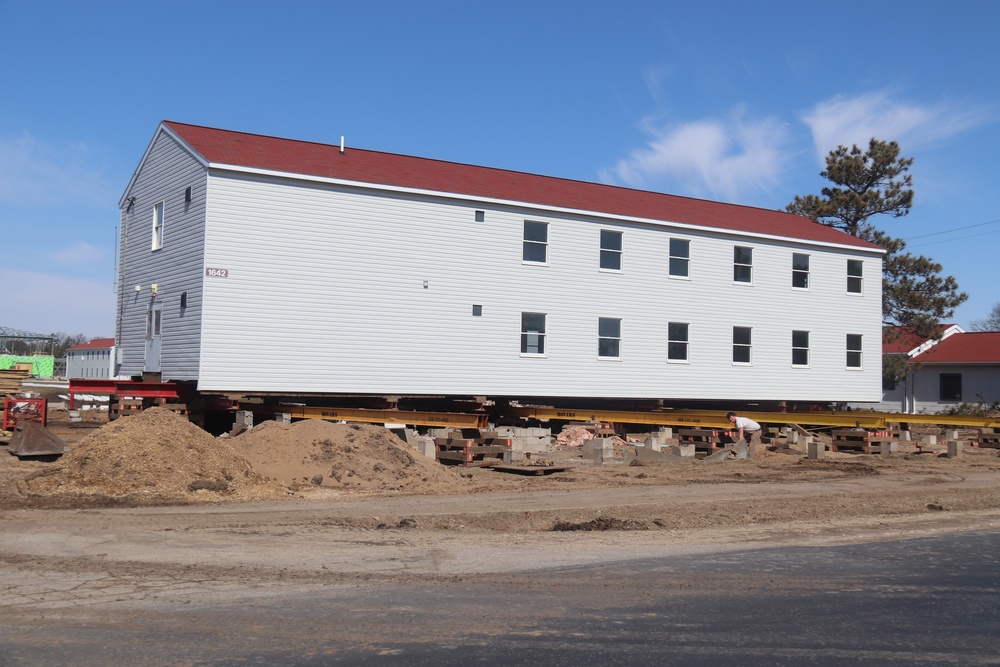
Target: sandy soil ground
{"x":150,"y":506}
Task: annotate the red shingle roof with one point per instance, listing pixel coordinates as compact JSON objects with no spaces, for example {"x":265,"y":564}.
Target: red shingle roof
{"x":901,"y":340}
{"x":975,"y":347}
{"x":97,"y":343}
{"x":225,"y":147}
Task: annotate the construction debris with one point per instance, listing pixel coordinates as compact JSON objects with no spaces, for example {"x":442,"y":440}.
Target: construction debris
{"x":31,"y":439}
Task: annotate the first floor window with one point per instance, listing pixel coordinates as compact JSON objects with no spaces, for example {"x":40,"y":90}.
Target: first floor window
{"x":609,"y":337}
{"x":536,"y":242}
{"x":741,"y":345}
{"x":951,"y":386}
{"x":742,"y":264}
{"x":680,"y":258}
{"x":854,"y":350}
{"x":677,"y":341}
{"x":800,"y":348}
{"x":611,"y":250}
{"x":532,"y":333}
{"x":855,"y":276}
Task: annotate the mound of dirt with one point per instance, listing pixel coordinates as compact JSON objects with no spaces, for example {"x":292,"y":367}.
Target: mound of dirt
{"x":153,"y":457}
{"x":358,"y":457}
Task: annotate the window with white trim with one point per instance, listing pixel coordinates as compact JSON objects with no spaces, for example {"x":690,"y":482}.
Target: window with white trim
{"x":855,"y":276}
{"x":742,"y":264}
{"x":800,"y":348}
{"x":609,"y":338}
{"x":800,"y":270}
{"x":742,"y":345}
{"x":677,"y":341}
{"x":157,"y":226}
{"x":536,"y":242}
{"x":855,"y":348}
{"x":680,"y":258}
{"x":533,"y":333}
{"x":611,"y":250}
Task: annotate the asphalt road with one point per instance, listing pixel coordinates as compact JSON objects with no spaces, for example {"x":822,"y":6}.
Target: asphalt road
{"x":927,"y":601}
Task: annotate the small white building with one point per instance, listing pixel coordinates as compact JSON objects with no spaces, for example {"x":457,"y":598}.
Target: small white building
{"x":94,"y":359}
{"x":254,"y":264}
{"x":959,"y":367}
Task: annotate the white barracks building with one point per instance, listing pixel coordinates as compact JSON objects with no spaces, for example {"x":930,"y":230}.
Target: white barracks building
{"x":257,"y":265}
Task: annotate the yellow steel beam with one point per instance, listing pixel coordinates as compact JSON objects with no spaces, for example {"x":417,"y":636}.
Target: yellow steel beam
{"x":412,"y":418}
{"x":717,"y":418}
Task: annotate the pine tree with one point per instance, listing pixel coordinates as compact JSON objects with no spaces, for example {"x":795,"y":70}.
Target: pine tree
{"x":915,"y":296}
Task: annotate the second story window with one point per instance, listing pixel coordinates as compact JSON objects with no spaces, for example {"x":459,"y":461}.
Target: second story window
{"x":158,"y":226}
{"x":800,"y":271}
{"x":611,"y":250}
{"x":536,"y":242}
{"x":742,"y":264}
{"x":680,"y":258}
{"x":855,"y":276}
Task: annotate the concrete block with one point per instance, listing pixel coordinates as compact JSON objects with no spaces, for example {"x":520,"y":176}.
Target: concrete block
{"x":425,"y":445}
{"x":595,"y":443}
{"x":951,"y":434}
{"x":793,"y":437}
{"x":929,"y":440}
{"x":283,"y":418}
{"x":905,"y":436}
{"x":652,"y":444}
{"x":955,"y":448}
{"x":665,"y":433}
{"x":687,"y":451}
{"x":815,"y":451}
{"x":888,"y":448}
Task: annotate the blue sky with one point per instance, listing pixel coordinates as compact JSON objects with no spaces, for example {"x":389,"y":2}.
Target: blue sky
{"x":737,"y":102}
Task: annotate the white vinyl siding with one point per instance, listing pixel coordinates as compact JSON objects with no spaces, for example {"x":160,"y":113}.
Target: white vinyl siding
{"x":164,"y":176}
{"x":302,"y":311}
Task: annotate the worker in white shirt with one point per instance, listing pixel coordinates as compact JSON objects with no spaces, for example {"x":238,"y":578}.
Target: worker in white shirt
{"x":748,"y":429}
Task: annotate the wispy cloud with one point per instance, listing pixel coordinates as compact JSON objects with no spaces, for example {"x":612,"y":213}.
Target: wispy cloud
{"x":846,"y":121}
{"x":35,"y":172}
{"x":81,"y":254}
{"x":723,"y":158}
{"x":46,"y":303}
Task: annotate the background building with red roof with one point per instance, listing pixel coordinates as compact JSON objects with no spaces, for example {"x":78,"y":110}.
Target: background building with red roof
{"x":942,"y":373}
{"x":93,"y":359}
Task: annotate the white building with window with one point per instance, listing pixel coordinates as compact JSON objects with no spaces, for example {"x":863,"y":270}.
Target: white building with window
{"x":254,"y":264}
{"x":91,"y":360}
{"x":959,"y":367}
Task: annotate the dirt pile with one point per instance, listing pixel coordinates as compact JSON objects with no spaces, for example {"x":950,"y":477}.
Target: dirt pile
{"x":357,"y":457}
{"x":153,"y":457}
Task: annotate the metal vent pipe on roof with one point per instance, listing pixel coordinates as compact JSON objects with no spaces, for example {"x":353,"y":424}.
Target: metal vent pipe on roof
{"x":341,"y":144}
